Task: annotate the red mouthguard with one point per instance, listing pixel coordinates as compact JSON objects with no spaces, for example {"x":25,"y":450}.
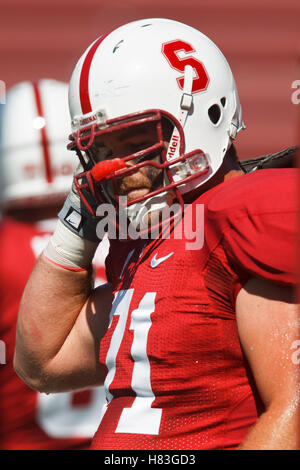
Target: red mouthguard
{"x":103,"y":169}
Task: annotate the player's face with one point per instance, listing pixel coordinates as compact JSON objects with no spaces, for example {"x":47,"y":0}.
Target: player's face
{"x":124,"y":143}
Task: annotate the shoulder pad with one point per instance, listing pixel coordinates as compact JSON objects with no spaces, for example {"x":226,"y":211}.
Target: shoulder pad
{"x":286,"y":158}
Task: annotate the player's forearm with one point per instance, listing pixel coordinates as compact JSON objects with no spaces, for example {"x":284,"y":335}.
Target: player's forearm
{"x":276,"y":429}
{"x":51,"y":303}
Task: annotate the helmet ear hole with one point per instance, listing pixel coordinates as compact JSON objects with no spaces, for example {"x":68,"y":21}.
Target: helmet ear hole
{"x":214,"y":113}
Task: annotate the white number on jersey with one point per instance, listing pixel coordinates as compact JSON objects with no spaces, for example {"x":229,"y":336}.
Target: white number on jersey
{"x":59,"y":419}
{"x":140,"y":418}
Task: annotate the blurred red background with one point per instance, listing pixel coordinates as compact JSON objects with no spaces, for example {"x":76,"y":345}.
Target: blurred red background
{"x":260,"y":38}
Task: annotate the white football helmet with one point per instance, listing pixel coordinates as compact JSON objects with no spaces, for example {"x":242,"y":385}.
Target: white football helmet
{"x":35,"y":166}
{"x":146,"y":71}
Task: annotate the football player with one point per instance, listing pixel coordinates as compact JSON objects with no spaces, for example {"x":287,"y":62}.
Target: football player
{"x":194,"y":333}
{"x":35,"y":172}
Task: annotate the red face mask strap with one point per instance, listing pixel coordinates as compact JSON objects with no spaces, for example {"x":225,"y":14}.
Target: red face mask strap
{"x":81,"y":137}
{"x":80,"y":187}
{"x":81,"y":159}
{"x":160,"y":138}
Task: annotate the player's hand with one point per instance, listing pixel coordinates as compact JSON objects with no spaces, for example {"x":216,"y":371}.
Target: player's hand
{"x":76,"y":216}
{"x":76,"y":238}
{"x":74,"y":241}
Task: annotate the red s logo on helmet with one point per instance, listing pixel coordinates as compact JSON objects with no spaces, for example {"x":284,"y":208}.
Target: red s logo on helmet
{"x":171,"y":51}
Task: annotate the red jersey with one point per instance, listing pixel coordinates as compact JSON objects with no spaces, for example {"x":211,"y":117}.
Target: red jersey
{"x":176,"y":375}
{"x":28,"y":419}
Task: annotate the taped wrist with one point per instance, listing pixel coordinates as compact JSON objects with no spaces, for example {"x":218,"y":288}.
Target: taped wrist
{"x":68,"y":250}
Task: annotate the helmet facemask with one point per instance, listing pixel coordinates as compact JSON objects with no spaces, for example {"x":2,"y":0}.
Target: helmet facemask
{"x":112,"y":180}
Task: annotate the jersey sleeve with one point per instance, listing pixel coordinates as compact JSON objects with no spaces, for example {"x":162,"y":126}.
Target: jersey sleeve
{"x":259,"y":225}
{"x":264,"y":246}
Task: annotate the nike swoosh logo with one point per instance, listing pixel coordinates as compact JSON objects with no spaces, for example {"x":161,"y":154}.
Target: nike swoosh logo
{"x":156,"y":261}
{"x":74,"y":219}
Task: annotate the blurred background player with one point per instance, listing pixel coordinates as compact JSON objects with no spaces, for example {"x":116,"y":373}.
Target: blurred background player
{"x":35,"y":174}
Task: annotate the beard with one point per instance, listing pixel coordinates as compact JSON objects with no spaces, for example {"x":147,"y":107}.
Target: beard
{"x":140,"y":182}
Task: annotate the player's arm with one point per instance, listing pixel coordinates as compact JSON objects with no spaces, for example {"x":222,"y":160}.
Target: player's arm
{"x":60,"y":325}
{"x":61,"y":318}
{"x":268,"y":324}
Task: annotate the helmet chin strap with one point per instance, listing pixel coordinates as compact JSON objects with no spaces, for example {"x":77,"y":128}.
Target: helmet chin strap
{"x":138,"y":213}
{"x":186,"y":104}
{"x":184,"y":108}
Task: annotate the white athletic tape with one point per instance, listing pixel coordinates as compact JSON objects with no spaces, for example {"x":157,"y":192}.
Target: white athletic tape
{"x":68,"y":250}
